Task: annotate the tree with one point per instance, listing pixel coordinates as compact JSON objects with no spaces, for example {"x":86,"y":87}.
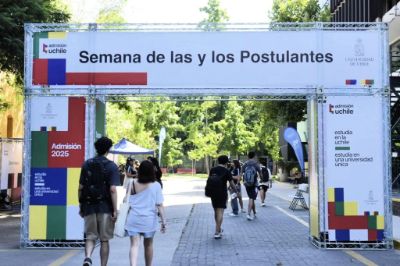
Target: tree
{"x":111,"y":13}
{"x":298,"y":11}
{"x":215,"y":15}
{"x":13,"y":15}
{"x":238,"y":138}
{"x":173,"y":152}
{"x":293,"y":11}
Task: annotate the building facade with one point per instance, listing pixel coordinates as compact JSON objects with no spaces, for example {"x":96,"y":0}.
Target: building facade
{"x":387,"y":11}
{"x":360,"y":10}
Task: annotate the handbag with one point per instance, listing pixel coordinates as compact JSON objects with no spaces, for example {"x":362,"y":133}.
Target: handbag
{"x":119,"y":229}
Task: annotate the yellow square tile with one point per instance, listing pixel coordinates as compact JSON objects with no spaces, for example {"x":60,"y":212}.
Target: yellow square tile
{"x":351,"y":208}
{"x":37,"y":222}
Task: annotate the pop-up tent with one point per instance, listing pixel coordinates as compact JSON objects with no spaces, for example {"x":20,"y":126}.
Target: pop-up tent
{"x":126,"y":147}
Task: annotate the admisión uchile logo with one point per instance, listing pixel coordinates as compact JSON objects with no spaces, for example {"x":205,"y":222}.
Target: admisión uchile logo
{"x":341,"y":109}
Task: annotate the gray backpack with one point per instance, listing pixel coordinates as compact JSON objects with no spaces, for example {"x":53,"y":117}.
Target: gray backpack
{"x":250,"y":176}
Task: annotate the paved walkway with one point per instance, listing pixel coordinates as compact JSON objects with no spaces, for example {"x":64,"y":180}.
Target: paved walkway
{"x":277,"y":237}
{"x":274,"y":238}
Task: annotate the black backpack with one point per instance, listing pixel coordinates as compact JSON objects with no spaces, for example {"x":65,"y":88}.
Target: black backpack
{"x":265,"y":174}
{"x":214,"y":184}
{"x":95,"y":186}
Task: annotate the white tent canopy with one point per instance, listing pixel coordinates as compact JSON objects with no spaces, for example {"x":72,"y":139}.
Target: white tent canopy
{"x":126,"y":147}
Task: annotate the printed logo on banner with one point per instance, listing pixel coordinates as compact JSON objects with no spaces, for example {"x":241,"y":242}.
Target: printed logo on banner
{"x":341,"y":109}
{"x":48,"y":186}
{"x":359,"y":57}
{"x":55,"y":48}
{"x":65,"y":149}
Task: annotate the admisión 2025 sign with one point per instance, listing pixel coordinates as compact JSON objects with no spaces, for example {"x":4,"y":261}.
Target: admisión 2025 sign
{"x":270,"y":59}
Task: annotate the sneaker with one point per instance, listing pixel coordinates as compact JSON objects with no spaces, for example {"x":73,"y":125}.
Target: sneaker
{"x":263,"y":204}
{"x":249,"y":217}
{"x":243,"y":211}
{"x":233,"y":214}
{"x":218,"y":236}
{"x":87,"y":262}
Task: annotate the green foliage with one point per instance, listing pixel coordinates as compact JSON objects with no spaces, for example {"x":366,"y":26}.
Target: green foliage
{"x":215,"y":15}
{"x":281,"y":112}
{"x":13,"y":15}
{"x":298,"y":11}
{"x":238,"y":138}
{"x":112,"y":13}
{"x":173,"y":152}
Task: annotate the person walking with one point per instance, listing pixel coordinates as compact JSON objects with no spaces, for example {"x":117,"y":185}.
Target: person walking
{"x":216,"y":188}
{"x":250,"y":171}
{"x":146,"y":200}
{"x":157,"y":169}
{"x":131,"y":171}
{"x":264,"y":183}
{"x":236,"y":194}
{"x":98,"y":200}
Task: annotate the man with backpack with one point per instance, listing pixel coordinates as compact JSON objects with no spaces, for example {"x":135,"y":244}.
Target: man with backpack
{"x":98,"y":200}
{"x":264,"y":183}
{"x":217,"y":190}
{"x":250,"y":171}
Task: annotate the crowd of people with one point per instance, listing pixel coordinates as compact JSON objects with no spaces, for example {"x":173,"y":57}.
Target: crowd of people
{"x":227,"y":176}
{"x":98,"y":198}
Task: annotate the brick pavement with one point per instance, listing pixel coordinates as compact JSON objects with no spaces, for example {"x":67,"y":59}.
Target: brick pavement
{"x":272,"y":238}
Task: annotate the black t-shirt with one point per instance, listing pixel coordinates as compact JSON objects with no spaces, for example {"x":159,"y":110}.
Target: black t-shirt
{"x":225,"y":175}
{"x":235,"y":172}
{"x":112,"y":179}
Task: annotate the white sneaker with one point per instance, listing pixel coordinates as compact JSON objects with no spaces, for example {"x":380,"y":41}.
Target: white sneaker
{"x":263,"y":204}
{"x":249,"y":217}
{"x":218,"y":236}
{"x":243,"y":211}
{"x":233,"y":214}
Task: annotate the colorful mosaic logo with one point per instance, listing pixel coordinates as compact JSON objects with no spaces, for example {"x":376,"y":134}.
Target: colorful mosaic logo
{"x":50,"y":66}
{"x":346,"y":224}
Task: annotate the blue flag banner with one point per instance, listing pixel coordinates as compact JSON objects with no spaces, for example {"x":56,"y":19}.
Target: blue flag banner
{"x":292,"y":137}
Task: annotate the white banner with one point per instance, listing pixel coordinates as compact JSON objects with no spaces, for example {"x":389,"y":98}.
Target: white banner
{"x":354,"y":168}
{"x":11,"y":163}
{"x":270,"y":59}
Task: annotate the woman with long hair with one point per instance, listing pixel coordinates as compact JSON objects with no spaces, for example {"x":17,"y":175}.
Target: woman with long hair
{"x":146,"y":201}
{"x":157,"y":169}
{"x":237,"y":194}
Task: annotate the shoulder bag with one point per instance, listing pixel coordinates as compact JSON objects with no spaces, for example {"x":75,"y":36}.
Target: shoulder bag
{"x":119,"y":229}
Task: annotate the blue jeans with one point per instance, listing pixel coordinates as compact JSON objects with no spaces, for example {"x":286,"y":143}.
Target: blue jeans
{"x":235,"y":205}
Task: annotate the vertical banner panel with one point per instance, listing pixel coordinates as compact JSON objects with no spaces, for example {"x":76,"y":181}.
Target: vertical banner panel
{"x":100,"y":119}
{"x":354,"y":168}
{"x":58,"y":150}
{"x":313,"y":168}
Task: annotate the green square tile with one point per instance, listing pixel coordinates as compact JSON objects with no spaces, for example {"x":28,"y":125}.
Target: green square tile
{"x":372,"y":222}
{"x":39,"y":149}
{"x":56,"y":222}
{"x":339,"y":208}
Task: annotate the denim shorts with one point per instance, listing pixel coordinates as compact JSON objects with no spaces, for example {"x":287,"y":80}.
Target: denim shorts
{"x":145,"y":235}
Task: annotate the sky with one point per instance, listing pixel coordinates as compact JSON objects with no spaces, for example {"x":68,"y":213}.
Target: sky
{"x":173,"y":11}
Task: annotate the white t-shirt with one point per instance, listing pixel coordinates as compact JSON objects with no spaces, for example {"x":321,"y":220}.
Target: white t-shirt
{"x":142,"y":216}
